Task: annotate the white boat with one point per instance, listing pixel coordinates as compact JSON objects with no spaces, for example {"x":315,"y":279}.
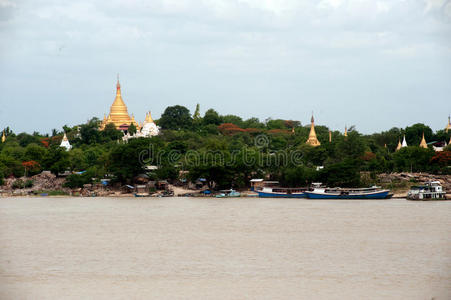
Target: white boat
{"x":278,"y":192}
{"x":374,"y":192}
{"x":431,"y":190}
{"x":228,"y":193}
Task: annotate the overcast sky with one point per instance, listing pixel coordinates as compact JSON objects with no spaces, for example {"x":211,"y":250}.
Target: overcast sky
{"x":373,"y":64}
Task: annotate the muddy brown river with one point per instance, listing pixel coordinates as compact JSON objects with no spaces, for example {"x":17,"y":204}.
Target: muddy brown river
{"x":208,"y":248}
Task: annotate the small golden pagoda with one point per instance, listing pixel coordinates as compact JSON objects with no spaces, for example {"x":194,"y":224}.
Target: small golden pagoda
{"x":3,"y":137}
{"x":423,"y":143}
{"x":312,"y":139}
{"x":346,"y":131}
{"x":399,"y":145}
{"x":148,"y":118}
{"x":448,"y":127}
{"x":330,"y":136}
{"x":118,"y":112}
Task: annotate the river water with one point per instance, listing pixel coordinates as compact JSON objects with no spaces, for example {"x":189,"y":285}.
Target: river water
{"x":208,"y":248}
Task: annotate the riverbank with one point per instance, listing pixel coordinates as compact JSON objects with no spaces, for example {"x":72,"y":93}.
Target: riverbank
{"x":49,"y":185}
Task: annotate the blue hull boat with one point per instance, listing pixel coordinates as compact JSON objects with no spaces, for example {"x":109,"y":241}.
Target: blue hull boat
{"x":268,"y":192}
{"x":370,"y":193}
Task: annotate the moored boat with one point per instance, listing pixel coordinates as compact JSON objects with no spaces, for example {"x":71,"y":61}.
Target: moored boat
{"x":228,"y":193}
{"x":432,"y":190}
{"x":278,"y":192}
{"x":374,"y":192}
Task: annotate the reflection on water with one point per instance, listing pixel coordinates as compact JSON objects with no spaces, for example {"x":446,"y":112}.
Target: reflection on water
{"x":172,"y":248}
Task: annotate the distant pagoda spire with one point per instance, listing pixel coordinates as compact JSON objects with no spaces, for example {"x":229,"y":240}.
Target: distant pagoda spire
{"x":404,"y":143}
{"x":3,"y":136}
{"x":346,"y":131}
{"x":330,"y":136}
{"x":65,"y":143}
{"x":149,"y":117}
{"x":448,"y":127}
{"x":312,"y":139}
{"x":423,"y":143}
{"x":399,"y":145}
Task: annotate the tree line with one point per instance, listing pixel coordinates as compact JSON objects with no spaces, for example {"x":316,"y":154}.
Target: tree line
{"x":226,"y":150}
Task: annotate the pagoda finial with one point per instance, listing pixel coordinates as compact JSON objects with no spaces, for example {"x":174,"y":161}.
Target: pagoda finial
{"x":118,"y":85}
{"x":313,"y":119}
{"x":3,"y":136}
{"x":346,"y":130}
{"x":423,"y":143}
{"x":312,"y":139}
{"x":330,"y":136}
{"x":404,"y":142}
{"x":399,"y":145}
{"x":448,"y":127}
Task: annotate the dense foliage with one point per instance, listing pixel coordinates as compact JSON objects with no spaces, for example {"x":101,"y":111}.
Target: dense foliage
{"x":224,"y":149}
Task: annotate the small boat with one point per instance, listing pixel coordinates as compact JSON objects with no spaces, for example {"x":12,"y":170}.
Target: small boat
{"x":278,"y":192}
{"x":142,"y":195}
{"x":141,"y":191}
{"x":432,"y":190}
{"x":374,"y":192}
{"x":228,"y":193}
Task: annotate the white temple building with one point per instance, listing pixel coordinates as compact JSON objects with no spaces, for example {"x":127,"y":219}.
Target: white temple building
{"x":65,"y":143}
{"x":147,"y":129}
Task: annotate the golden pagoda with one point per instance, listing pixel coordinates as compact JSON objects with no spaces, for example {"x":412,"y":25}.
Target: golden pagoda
{"x":346,"y":131}
{"x":148,"y":118}
{"x":3,"y":137}
{"x":399,"y":145}
{"x":423,"y":143}
{"x":118,"y":112}
{"x":312,"y":139}
{"x":330,"y":136}
{"x":448,"y":127}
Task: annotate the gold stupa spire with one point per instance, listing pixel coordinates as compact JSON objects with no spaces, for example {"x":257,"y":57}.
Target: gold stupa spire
{"x":423,"y":143}
{"x":118,"y":112}
{"x":312,"y":139}
{"x":346,"y":131}
{"x":399,"y":145}
{"x":3,"y":136}
{"x":149,"y":117}
{"x":330,"y":136}
{"x":448,"y":127}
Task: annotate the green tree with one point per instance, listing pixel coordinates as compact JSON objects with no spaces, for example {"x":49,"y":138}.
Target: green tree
{"x":56,"y":160}
{"x":211,"y":117}
{"x":414,"y":134}
{"x":110,"y":133}
{"x":413,"y":158}
{"x":253,"y":123}
{"x":132,"y":129}
{"x":342,"y":174}
{"x":89,"y":132}
{"x":196,"y":115}
{"x":34,"y":152}
{"x":238,"y":121}
{"x":128,"y":160}
{"x":176,"y":117}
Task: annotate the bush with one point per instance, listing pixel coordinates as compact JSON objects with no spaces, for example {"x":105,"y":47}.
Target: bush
{"x":28,"y":183}
{"x":18,"y":184}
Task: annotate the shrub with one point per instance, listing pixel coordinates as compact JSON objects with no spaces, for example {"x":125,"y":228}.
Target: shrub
{"x":28,"y":183}
{"x":18,"y":184}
